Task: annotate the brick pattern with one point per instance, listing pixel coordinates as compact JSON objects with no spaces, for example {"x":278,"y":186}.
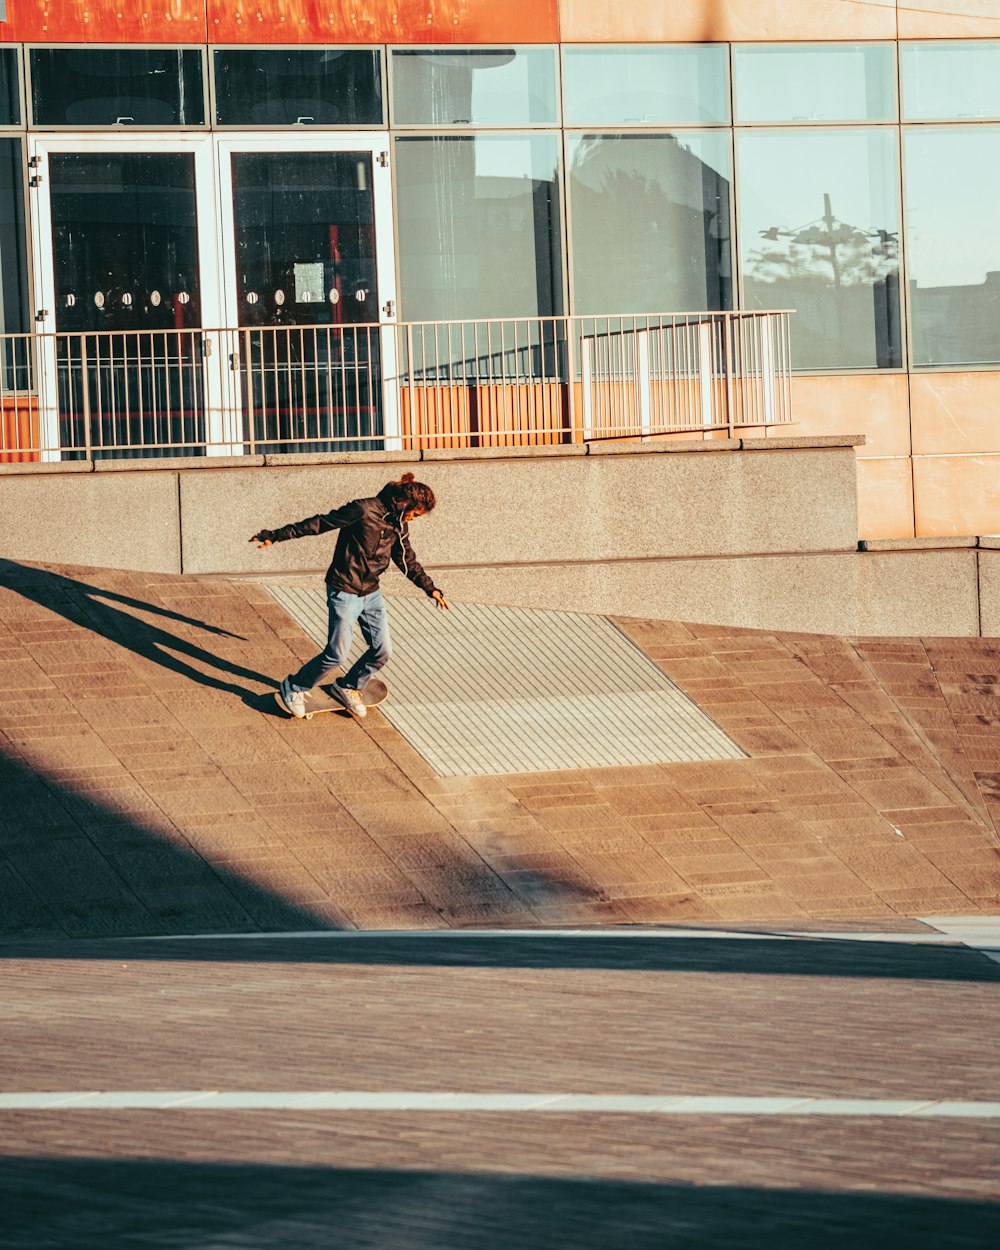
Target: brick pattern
{"x":153,"y":787}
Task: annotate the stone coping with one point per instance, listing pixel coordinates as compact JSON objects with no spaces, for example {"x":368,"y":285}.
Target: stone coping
{"x":602,"y":448}
{"x":939,"y":543}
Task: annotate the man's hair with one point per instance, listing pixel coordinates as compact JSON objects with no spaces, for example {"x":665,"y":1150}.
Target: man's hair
{"x":406,"y":494}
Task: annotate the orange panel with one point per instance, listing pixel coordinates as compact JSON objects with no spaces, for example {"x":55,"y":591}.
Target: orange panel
{"x":957,"y":494}
{"x":382,"y":21}
{"x":955,"y":412}
{"x":105,"y":21}
{"x":885,"y":498}
{"x":485,"y":416}
{"x":859,"y":404}
{"x":949,"y":19}
{"x":695,"y":21}
{"x":19,"y":434}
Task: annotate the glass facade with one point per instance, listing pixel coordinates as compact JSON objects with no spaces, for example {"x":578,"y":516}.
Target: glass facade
{"x":819,"y":231}
{"x":289,"y":87}
{"x":952,"y":193}
{"x":685,"y":85}
{"x":649,"y":222}
{"x":478,"y":224}
{"x":540,"y":179}
{"x":814,"y":83}
{"x":475,"y":87}
{"x":111,"y":86}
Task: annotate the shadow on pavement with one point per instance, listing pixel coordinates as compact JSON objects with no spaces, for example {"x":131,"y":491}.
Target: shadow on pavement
{"x":91,"y":607}
{"x":71,"y":866}
{"x":592,"y":951}
{"x":69,"y":1204}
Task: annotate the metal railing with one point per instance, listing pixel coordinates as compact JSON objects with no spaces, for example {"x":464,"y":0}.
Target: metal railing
{"x":405,"y":386}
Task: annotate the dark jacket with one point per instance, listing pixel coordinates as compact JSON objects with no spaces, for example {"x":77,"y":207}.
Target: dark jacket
{"x":371,"y":534}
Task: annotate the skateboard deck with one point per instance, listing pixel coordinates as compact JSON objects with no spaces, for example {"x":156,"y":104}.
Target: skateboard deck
{"x":318,"y":700}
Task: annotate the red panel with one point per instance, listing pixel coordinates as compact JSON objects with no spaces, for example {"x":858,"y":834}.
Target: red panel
{"x":104,"y":21}
{"x":382,"y":21}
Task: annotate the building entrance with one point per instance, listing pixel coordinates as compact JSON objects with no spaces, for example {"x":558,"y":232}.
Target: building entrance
{"x":200,"y":295}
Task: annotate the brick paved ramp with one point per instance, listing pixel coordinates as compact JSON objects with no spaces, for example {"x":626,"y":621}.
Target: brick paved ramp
{"x":151,"y":787}
{"x":600,"y":1013}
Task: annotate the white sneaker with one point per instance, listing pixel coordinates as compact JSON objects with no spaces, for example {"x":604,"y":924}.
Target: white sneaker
{"x":294,"y":700}
{"x":351,"y":699}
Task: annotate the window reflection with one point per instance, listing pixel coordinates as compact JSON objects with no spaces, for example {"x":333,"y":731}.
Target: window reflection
{"x":952,"y":192}
{"x":478,"y":227}
{"x":828,"y":82}
{"x":650,"y":223}
{"x":630,"y":86}
{"x":478,"y":87}
{"x":956,"y":80}
{"x":819,"y":230}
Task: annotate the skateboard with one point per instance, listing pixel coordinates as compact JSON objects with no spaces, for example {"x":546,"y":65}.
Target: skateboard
{"x":318,"y":700}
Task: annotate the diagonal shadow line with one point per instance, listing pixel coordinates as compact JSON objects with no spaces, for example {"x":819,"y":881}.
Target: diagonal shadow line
{"x":157,"y":1204}
{"x":72,"y":866}
{"x":92,"y":608}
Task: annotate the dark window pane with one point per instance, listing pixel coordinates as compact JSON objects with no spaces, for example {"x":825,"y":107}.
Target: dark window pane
{"x":109,"y":86}
{"x":952,"y":191}
{"x":479,"y":227}
{"x":480,"y":87}
{"x":10,"y":96}
{"x":13,"y":267}
{"x":629,"y":86}
{"x":124,"y":241}
{"x":313,"y":87}
{"x":650,"y":223}
{"x":950,"y":80}
{"x":305,"y":238}
{"x":822,"y":82}
{"x":819,"y":232}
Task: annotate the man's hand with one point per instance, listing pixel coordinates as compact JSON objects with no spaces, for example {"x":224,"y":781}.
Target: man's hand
{"x":260,"y":540}
{"x":440,"y":601}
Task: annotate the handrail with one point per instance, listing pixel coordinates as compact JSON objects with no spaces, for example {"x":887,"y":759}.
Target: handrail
{"x":389,"y":386}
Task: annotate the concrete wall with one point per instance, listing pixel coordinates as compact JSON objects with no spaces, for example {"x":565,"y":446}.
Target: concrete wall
{"x":747,"y":533}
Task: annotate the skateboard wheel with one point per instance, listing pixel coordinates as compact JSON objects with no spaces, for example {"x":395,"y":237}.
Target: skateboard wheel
{"x":309,"y":715}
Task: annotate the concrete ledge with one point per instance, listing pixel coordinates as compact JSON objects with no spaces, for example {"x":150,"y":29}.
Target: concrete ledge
{"x":42,"y":466}
{"x":990,"y":542}
{"x":809,"y":440}
{"x":916,"y":544}
{"x":178,"y":463}
{"x":625,"y":447}
{"x":504,"y":453}
{"x":285,"y":458}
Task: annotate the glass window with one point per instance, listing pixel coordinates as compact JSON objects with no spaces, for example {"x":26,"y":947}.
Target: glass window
{"x":952,"y":193}
{"x":814,"y":82}
{"x":650,"y":222}
{"x":114,"y":86}
{"x":474,"y":87}
{"x":13,"y":260}
{"x":10,"y":95}
{"x":634,"y":86}
{"x":478,"y":224}
{"x":311,"y":87}
{"x":950,"y":80}
{"x":819,"y":232}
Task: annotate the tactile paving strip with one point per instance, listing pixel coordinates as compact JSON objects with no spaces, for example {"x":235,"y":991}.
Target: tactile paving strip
{"x":484,"y":690}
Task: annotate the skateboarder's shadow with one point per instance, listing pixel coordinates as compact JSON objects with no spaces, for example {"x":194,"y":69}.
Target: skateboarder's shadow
{"x":92,"y":607}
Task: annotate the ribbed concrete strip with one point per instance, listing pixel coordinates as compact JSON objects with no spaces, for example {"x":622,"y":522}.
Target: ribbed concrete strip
{"x":488,"y":690}
{"x":398,"y":1100}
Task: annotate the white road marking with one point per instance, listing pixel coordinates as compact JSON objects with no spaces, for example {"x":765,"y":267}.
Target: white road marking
{"x":391,"y":1100}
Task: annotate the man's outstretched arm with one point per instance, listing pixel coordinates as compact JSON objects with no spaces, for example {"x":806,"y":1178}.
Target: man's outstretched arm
{"x":319,"y":524}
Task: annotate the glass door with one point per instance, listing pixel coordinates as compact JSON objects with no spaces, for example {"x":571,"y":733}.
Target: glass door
{"x":310,"y":291}
{"x":125,"y":281}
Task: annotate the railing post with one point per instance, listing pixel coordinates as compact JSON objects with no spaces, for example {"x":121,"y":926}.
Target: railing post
{"x":767,"y":367}
{"x":85,"y":391}
{"x":729,"y":348}
{"x":587,"y":382}
{"x":705,"y":374}
{"x":642,"y":380}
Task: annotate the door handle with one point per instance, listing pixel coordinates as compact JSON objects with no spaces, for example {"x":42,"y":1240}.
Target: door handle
{"x":389,"y":308}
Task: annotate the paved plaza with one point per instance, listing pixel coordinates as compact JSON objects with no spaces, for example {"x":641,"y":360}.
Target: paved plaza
{"x":276,"y":985}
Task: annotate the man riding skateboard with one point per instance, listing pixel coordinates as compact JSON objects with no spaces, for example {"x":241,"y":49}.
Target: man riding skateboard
{"x":372,"y":532}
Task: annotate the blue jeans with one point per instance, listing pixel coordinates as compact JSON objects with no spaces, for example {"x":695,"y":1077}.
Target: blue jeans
{"x":346,"y":610}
